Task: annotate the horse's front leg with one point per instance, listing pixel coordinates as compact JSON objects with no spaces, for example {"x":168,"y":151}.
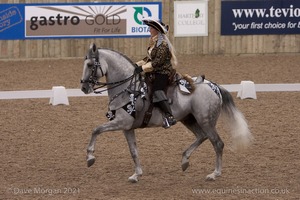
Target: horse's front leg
{"x":119,"y":123}
{"x":131,"y":140}
{"x":90,"y":158}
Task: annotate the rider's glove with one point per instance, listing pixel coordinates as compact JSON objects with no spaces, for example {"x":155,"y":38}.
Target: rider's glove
{"x":138,"y":69}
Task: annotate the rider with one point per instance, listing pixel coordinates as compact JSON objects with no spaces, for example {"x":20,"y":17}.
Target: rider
{"x":158,"y":63}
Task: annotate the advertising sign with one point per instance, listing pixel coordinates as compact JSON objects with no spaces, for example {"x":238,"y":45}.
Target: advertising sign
{"x":190,"y":18}
{"x":76,"y":20}
{"x":256,"y":17}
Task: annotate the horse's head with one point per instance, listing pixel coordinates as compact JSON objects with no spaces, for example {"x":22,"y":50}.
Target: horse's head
{"x":92,"y":70}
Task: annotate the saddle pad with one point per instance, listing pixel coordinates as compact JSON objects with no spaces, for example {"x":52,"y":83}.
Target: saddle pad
{"x":215,"y":88}
{"x":129,"y":108}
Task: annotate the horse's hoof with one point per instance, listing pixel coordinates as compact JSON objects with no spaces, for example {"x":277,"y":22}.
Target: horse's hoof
{"x":90,"y":161}
{"x":133,"y":179}
{"x":185,"y":165}
{"x":210,"y":177}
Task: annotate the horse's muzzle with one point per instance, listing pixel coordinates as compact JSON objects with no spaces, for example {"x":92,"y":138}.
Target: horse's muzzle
{"x":85,"y":88}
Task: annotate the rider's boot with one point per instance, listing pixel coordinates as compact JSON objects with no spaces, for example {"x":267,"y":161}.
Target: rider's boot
{"x":161,"y":100}
{"x":169,"y":120}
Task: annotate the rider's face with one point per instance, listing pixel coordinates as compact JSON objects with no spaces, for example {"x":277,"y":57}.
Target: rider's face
{"x":153,"y":32}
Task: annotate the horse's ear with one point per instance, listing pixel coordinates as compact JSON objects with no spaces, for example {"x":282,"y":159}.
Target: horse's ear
{"x":93,"y":53}
{"x":97,"y":55}
{"x":93,"y":47}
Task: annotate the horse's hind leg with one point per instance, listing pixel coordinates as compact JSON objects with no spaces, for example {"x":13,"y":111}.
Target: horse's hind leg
{"x":130,"y":137}
{"x":187,"y":153}
{"x":218,"y":146}
{"x":192,"y":125}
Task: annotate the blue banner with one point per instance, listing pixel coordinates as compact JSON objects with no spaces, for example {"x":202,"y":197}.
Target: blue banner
{"x":11,"y":21}
{"x":76,"y":20}
{"x":257,"y":17}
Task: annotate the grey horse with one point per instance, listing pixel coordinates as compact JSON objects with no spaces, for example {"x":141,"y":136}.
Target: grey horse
{"x":128,"y":102}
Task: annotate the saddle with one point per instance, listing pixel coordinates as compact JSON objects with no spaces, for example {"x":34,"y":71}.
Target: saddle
{"x":185,"y":83}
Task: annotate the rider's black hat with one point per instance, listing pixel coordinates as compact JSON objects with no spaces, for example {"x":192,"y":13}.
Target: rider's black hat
{"x":157,"y":25}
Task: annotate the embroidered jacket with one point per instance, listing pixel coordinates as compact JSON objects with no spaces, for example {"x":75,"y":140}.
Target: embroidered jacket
{"x":160,"y":58}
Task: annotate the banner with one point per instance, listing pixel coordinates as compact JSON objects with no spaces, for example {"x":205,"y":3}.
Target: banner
{"x":260,"y":17}
{"x":190,"y":18}
{"x":76,"y":20}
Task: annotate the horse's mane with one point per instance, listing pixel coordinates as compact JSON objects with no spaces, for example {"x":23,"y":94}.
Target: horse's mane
{"x":121,"y":54}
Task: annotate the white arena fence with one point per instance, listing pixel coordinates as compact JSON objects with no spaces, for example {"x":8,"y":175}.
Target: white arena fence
{"x":28,"y":94}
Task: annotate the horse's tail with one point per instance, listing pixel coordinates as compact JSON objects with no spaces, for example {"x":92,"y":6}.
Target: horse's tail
{"x":240,"y":133}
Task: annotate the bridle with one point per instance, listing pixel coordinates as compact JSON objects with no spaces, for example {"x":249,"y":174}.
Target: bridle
{"x":93,"y":79}
{"x":93,"y":76}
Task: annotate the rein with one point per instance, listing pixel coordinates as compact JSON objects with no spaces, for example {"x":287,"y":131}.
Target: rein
{"x":116,"y":84}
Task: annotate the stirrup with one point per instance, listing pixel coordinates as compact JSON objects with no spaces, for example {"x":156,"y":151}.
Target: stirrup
{"x":169,"y":121}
